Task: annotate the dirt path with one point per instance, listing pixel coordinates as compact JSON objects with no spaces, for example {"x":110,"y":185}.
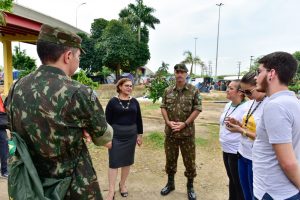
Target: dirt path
{"x":147,"y":175}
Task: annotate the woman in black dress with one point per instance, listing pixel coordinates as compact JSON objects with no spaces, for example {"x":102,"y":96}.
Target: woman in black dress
{"x":124,"y":115}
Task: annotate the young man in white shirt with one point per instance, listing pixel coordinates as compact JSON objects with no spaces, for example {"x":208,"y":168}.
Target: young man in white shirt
{"x":276,"y":150}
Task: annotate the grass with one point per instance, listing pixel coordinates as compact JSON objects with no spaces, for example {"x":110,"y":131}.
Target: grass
{"x":155,"y":140}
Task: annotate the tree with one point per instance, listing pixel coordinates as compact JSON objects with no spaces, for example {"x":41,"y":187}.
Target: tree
{"x":91,"y":61}
{"x":5,"y":5}
{"x":190,"y":59}
{"x":297,"y":56}
{"x":117,"y":46}
{"x":159,"y":83}
{"x":139,"y":16}
{"x":21,"y":61}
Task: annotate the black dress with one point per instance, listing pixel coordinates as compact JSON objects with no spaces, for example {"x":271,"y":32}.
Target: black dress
{"x":125,"y":118}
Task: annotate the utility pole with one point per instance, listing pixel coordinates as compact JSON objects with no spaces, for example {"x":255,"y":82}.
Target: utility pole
{"x":216,"y":72}
{"x":209,"y":68}
{"x":239,"y":67}
{"x":251,"y":58}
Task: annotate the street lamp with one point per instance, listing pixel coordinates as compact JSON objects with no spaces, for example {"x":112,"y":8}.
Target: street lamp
{"x":195,"y":54}
{"x":216,"y":72}
{"x":77,"y":10}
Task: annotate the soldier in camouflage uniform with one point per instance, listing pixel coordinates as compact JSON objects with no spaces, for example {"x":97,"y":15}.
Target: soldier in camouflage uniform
{"x":51,"y":111}
{"x":181,"y":104}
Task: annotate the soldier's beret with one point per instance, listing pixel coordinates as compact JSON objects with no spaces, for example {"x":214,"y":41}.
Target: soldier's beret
{"x":59,"y":36}
{"x":181,"y":67}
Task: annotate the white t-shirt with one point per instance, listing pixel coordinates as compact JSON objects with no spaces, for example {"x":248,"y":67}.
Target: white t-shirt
{"x":280,"y":124}
{"x":230,"y":140}
{"x":245,"y":148}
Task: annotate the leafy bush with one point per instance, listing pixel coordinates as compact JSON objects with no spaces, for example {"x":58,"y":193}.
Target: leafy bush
{"x":82,"y":78}
{"x":159,"y":83}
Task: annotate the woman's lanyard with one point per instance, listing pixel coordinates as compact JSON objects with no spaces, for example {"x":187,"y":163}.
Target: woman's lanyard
{"x":228,"y":114}
{"x":250,"y":113}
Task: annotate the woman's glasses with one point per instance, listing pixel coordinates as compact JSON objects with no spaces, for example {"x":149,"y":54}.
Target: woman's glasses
{"x":248,"y":92}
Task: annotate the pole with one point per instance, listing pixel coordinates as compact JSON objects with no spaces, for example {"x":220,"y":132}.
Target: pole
{"x":195,"y":53}
{"x":251,"y":61}
{"x":239,"y":66}
{"x":216,"y":71}
{"x":77,"y":10}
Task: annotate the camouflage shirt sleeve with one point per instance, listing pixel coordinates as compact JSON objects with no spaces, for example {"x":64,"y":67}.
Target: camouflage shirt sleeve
{"x":197,"y":101}
{"x":163,"y":101}
{"x":90,"y":114}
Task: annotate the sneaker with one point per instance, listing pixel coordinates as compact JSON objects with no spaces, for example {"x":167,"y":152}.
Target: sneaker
{"x":5,"y":175}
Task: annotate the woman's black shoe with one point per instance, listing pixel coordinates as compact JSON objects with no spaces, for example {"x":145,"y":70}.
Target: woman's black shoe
{"x":123,"y":194}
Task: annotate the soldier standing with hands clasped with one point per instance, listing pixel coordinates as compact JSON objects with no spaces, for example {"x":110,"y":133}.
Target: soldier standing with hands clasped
{"x":181,"y":104}
{"x":50,"y":112}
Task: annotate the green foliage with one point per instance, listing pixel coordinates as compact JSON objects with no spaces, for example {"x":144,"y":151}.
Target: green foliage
{"x":23,"y":62}
{"x":139,"y":16}
{"x":117,"y":46}
{"x":295,"y":87}
{"x":159,"y":83}
{"x":5,"y":5}
{"x":82,"y":78}
{"x":155,"y":139}
{"x":190,"y":59}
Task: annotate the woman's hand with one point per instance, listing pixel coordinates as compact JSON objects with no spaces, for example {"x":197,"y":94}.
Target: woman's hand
{"x":139,"y":140}
{"x":233,"y":127}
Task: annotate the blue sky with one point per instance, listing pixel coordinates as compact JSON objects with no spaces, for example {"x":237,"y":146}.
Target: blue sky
{"x":247,"y":28}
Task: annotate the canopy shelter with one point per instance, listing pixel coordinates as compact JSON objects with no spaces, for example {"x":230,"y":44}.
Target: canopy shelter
{"x":23,"y":25}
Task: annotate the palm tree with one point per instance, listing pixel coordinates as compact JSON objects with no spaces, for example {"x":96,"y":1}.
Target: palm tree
{"x":190,"y":59}
{"x":139,"y":16}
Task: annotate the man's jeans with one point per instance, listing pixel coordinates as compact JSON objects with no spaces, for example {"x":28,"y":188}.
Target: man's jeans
{"x":268,"y":197}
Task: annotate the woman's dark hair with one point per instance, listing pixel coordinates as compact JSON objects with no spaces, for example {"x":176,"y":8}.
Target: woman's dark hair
{"x":249,"y":78}
{"x":121,"y":82}
{"x":50,"y":52}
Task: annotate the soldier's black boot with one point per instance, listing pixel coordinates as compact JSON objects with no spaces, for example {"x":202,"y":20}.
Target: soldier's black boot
{"x":190,"y":190}
{"x":169,"y":187}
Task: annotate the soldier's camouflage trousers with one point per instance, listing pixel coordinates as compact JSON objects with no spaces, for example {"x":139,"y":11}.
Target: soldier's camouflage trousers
{"x":188,"y":152}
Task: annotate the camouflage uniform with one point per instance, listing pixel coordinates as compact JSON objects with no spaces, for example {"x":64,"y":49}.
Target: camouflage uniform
{"x":179,"y":105}
{"x":49,"y":112}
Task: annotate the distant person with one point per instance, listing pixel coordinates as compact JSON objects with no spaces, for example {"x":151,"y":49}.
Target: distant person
{"x":123,"y":113}
{"x":247,"y":128}
{"x":230,"y":141}
{"x":276,"y":150}
{"x":3,"y":142}
{"x":181,"y":104}
{"x":50,"y":111}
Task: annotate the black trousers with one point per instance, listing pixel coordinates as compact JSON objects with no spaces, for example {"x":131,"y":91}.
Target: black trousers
{"x":231,"y":165}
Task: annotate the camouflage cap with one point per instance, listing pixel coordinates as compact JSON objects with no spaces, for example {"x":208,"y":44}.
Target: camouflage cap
{"x":181,"y":67}
{"x":60,"y":36}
